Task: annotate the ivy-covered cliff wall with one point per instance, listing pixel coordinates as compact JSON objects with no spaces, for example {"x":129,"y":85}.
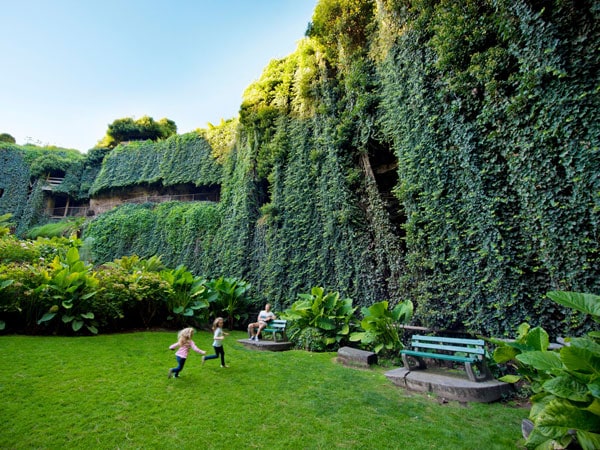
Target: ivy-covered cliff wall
{"x":445,"y":152}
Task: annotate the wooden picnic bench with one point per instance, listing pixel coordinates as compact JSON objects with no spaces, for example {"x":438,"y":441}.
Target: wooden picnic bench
{"x":470,"y":352}
{"x":275,"y":327}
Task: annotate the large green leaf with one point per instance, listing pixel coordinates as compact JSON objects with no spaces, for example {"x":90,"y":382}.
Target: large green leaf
{"x":588,"y":440}
{"x":88,"y":295}
{"x":568,"y":387}
{"x":357,"y":337}
{"x":544,"y":361}
{"x":72,"y":256}
{"x":586,"y":303}
{"x":560,"y":416}
{"x":538,"y":339}
{"x":594,"y":388}
{"x":583,"y":355}
{"x":46,"y":317}
{"x":510,"y":378}
{"x":325,"y":323}
{"x":6,"y":283}
{"x":594,"y":407}
{"x":504,"y":354}
{"x":378,"y":309}
{"x":403,"y":312}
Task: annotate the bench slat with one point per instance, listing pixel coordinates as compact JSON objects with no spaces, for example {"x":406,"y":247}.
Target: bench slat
{"x":450,"y":340}
{"x":450,"y":348}
{"x":440,"y":356}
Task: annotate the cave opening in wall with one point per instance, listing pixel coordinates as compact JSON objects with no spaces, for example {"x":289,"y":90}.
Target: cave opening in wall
{"x":385,"y":170}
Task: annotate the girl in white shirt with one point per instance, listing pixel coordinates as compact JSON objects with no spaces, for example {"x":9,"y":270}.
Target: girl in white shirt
{"x":218,"y":342}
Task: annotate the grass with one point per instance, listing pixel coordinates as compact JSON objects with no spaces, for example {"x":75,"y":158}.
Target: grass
{"x":112,"y":391}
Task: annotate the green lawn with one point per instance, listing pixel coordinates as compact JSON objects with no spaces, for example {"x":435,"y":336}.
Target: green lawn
{"x":112,"y":391}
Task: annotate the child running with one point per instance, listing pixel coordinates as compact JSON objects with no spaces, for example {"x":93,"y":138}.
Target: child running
{"x":218,"y":342}
{"x":184,"y":342}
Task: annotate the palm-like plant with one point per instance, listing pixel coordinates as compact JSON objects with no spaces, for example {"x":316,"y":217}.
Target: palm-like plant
{"x":229,"y":297}
{"x":70,"y":282}
{"x":381,"y":326}
{"x":565,"y":411}
{"x":328,"y":315}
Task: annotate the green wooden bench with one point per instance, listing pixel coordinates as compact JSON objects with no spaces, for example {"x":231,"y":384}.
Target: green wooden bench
{"x":470,"y":352}
{"x":275,"y":327}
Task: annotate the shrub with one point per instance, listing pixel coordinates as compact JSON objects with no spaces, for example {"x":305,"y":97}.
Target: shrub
{"x":186,"y":301}
{"x":381,"y":326}
{"x":20,"y":305}
{"x":15,"y":250}
{"x":319,"y":321}
{"x":69,"y":285}
{"x":136,"y":287}
{"x":229,"y":296}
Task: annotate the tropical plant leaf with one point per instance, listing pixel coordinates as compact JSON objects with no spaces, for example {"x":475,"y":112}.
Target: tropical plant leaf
{"x":586,"y":303}
{"x":594,"y":407}
{"x":560,"y":416}
{"x":588,"y":440}
{"x":77,"y":324}
{"x":541,"y":360}
{"x":6,"y":283}
{"x":325,"y":323}
{"x":568,"y":387}
{"x":504,"y":354}
{"x":510,"y":378}
{"x":537,"y":339}
{"x":358,"y":336}
{"x":583,"y":355}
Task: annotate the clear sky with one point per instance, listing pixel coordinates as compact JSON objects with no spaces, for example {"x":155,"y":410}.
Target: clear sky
{"x":71,"y":67}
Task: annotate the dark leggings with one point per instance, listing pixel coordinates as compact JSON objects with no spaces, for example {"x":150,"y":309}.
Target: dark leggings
{"x":218,"y":351}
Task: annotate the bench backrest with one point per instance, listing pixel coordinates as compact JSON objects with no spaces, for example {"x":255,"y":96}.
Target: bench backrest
{"x":277,"y":324}
{"x":475,"y":346}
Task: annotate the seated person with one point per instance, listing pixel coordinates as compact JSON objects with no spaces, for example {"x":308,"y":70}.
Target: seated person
{"x":263,"y":318}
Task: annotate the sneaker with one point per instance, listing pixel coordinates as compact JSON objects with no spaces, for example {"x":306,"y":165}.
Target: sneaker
{"x":224,"y":366}
{"x":170,"y":373}
{"x":256,"y":339}
{"x":203,"y":360}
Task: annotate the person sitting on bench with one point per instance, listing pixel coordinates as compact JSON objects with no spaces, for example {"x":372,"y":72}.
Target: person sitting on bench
{"x":263,"y":318}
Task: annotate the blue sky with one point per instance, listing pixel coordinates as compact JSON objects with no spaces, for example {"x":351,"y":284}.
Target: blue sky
{"x":71,"y":67}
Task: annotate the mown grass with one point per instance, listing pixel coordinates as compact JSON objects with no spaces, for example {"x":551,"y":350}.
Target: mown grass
{"x":112,"y":391}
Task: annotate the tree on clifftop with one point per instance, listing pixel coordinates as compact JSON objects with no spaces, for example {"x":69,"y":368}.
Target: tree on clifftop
{"x":145,"y":128}
{"x":5,"y":137}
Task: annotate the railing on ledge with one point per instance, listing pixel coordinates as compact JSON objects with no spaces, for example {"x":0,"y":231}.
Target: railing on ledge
{"x":174,"y":197}
{"x":71,"y":211}
{"x":81,"y":211}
